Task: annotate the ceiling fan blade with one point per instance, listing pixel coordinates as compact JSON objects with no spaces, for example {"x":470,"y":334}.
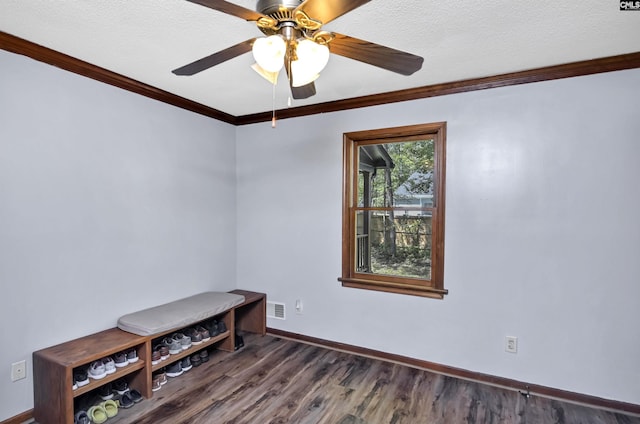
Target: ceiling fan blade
{"x":300,"y":92}
{"x":215,"y":59}
{"x":374,"y":54}
{"x":230,"y":9}
{"x":328,"y":10}
{"x":304,"y":91}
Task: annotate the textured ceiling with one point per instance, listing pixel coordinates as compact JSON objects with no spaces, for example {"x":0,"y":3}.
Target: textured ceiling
{"x":146,"y":39}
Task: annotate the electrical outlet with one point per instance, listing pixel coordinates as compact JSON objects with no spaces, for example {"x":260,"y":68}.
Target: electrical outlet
{"x":511,"y":344}
{"x":18,"y":370}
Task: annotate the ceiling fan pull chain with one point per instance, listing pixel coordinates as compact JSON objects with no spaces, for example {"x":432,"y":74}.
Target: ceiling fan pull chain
{"x":273,"y":107}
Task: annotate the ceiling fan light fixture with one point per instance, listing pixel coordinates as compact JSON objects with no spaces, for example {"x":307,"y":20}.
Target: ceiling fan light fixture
{"x":272,"y":77}
{"x":269,"y":52}
{"x":312,"y":58}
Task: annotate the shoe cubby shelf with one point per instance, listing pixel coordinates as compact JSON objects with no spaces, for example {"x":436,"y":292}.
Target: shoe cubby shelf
{"x":53,"y":367}
{"x":190,"y":351}
{"x":120,"y":373}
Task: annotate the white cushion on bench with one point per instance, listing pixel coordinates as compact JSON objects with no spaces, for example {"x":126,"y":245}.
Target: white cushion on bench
{"x":178,"y":314}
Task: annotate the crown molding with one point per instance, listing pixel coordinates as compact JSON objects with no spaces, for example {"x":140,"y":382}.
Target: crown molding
{"x":40,"y":53}
{"x":587,"y":67}
{"x":547,"y":73}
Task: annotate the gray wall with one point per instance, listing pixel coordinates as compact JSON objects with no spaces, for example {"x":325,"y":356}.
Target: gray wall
{"x":109,"y":202}
{"x":542,"y":236}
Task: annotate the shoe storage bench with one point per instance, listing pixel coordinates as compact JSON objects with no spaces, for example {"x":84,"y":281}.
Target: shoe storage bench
{"x":53,"y":367}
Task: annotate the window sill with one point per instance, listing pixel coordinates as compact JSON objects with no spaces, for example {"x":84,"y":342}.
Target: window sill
{"x":357,"y":283}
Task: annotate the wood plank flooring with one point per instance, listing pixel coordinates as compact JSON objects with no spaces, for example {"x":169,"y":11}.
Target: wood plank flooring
{"x":276,"y":381}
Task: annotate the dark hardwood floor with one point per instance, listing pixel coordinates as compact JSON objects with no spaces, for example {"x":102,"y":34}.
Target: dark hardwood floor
{"x":273,"y":380}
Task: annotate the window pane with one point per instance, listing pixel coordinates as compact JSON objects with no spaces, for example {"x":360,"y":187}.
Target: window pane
{"x":395,"y":242}
{"x":396,"y":174}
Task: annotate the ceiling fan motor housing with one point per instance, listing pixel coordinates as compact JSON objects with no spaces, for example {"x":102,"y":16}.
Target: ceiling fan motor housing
{"x":273,"y":7}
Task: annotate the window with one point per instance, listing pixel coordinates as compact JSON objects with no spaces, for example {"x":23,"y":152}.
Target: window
{"x":393,"y":210}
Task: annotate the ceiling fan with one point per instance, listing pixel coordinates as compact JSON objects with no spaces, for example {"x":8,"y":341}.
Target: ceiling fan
{"x":294,"y":40}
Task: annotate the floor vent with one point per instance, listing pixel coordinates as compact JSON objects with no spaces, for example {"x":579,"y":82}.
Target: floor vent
{"x":275,"y":310}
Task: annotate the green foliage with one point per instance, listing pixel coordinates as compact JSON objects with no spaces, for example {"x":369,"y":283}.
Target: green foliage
{"x":410,"y":158}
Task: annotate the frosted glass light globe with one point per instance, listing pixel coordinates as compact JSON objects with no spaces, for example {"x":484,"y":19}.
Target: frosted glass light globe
{"x":312,"y":58}
{"x":269,"y":52}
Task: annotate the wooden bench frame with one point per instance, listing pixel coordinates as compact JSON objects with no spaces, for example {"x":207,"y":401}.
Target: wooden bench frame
{"x":53,"y":367}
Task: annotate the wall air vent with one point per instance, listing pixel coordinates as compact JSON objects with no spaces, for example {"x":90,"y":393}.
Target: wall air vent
{"x":275,"y":310}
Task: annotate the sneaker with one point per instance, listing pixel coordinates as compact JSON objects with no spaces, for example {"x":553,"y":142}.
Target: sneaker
{"x":174,"y":370}
{"x":106,"y":392}
{"x":212,"y":327}
{"x":80,"y":378}
{"x":132,"y":356}
{"x":97,"y":370}
{"x":163,"y":348}
{"x":195,"y":360}
{"x":156,"y":357}
{"x":81,"y":417}
{"x":121,"y":386}
{"x":162,"y":375}
{"x":186,"y":364}
{"x":194,"y":335}
{"x":239,"y":341}
{"x":185,"y":341}
{"x":204,"y":333}
{"x":204,"y":356}
{"x":174,"y":345}
{"x":74,"y":386}
{"x":120,"y":359}
{"x":222,"y":327}
{"x":155,"y":384}
{"x":109,"y":365}
{"x":125,"y":401}
{"x":135,"y":395}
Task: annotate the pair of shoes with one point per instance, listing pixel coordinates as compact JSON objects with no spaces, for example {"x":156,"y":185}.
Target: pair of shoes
{"x":120,"y":359}
{"x":194,"y":335}
{"x":156,"y":357}
{"x":195,"y":360}
{"x":239,"y":341}
{"x":110,"y":407}
{"x":99,"y":413}
{"x":175,"y":369}
{"x":215,"y":327}
{"x":184,"y":340}
{"x":109,"y":365}
{"x":204,"y":356}
{"x":204,"y":333}
{"x":106,"y":391}
{"x":162,"y":376}
{"x":163,"y":350}
{"x":80,"y":378}
{"x":97,"y":370}
{"x":186,"y":364}
{"x":174,"y":345}
{"x":81,"y":417}
{"x":124,"y":358}
{"x":155,"y":384}
{"x":132,"y":356}
{"x":125,"y":401}
{"x":121,"y":386}
{"x":135,"y":396}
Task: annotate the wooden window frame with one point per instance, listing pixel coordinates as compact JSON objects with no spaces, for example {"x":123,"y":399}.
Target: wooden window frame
{"x":433,"y":288}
